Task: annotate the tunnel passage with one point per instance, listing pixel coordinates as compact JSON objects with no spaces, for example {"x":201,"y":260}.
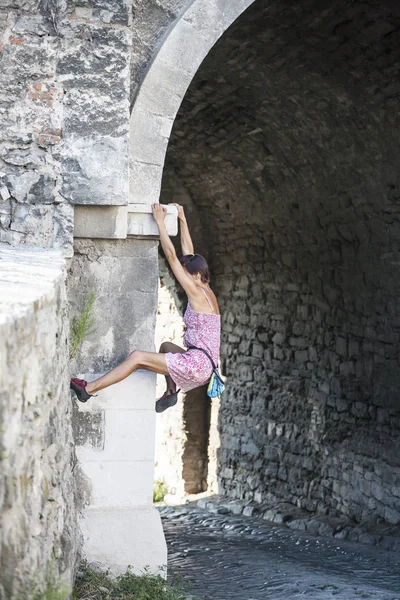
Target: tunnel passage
{"x":285,"y":154}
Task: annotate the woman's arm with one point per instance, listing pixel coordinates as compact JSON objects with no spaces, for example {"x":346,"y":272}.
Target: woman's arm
{"x":186,"y":239}
{"x":184,"y":279}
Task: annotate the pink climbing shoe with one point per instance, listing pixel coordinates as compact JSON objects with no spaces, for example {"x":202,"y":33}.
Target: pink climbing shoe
{"x":79,"y":387}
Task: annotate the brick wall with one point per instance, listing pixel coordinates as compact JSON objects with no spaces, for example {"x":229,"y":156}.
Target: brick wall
{"x":285,"y":152}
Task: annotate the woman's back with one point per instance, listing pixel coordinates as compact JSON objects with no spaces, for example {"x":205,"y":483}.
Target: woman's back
{"x":203,"y":329}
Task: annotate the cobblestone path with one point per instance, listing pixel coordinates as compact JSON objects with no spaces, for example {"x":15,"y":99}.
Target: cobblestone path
{"x":238,"y":558}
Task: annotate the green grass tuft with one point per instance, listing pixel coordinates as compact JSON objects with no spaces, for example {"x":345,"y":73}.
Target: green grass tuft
{"x":91,"y":585}
{"x":82,"y":325}
{"x":159,"y":491}
{"x":53,"y":592}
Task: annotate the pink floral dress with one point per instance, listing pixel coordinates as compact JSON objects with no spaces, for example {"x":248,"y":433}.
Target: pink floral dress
{"x":193,"y":368}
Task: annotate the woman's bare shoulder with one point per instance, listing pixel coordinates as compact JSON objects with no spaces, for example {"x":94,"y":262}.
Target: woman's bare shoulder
{"x":203,"y":300}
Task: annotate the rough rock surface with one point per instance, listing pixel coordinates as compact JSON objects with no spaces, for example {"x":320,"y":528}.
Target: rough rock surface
{"x":383,"y":535}
{"x":37,"y":492}
{"x":285,"y":153}
{"x":64,"y":116}
{"x":69,"y":71}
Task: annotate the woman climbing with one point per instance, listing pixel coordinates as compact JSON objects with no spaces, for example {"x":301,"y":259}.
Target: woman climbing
{"x":189,"y":368}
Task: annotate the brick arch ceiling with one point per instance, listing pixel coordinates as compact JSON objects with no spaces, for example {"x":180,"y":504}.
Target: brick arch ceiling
{"x":285,"y":151}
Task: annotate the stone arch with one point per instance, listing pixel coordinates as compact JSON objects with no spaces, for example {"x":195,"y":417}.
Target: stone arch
{"x":153,"y":113}
{"x":164,"y":86}
{"x":314,"y":278}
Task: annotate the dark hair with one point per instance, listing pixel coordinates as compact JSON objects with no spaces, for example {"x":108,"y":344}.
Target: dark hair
{"x":195,"y":263}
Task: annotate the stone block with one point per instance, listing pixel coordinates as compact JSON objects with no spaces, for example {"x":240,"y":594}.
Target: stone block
{"x":236,"y":508}
{"x":144,"y":183}
{"x":130,"y":394}
{"x":365,"y":487}
{"x":343,"y":534}
{"x":392,"y":515}
{"x":326,"y":530}
{"x":166,"y":81}
{"x":248,"y":510}
{"x":117,"y":483}
{"x":250,"y":448}
{"x":126,"y":435}
{"x":298,"y":524}
{"x":95,"y":106}
{"x":301,"y":356}
{"x":107,"y":222}
{"x":123,"y":274}
{"x":313,"y":526}
{"x":377,"y":491}
{"x":95,"y":170}
{"x":121,"y":537}
{"x":341,"y":405}
{"x":142,"y":223}
{"x":341,"y":346}
{"x":4,"y":193}
{"x":32,"y":24}
{"x":149,"y":136}
{"x":88,"y":427}
{"x":282,"y":474}
{"x":181,"y":52}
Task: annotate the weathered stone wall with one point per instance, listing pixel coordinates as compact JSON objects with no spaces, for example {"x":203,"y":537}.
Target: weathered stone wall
{"x":32,"y":211}
{"x":286,"y":145}
{"x":70,"y":71}
{"x":37,"y":493}
{"x":64,"y":116}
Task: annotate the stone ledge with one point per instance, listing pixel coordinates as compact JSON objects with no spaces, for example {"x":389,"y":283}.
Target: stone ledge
{"x":107,"y":222}
{"x":108,"y":535}
{"x":120,"y":222}
{"x":383,"y":535}
{"x":27,"y":278}
{"x":141,"y":222}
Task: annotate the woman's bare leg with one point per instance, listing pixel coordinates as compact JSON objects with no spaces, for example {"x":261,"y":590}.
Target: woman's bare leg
{"x":152,"y":361}
{"x":170,"y":347}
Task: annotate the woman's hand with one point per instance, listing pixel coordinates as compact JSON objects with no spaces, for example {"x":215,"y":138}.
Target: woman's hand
{"x":159,"y":212}
{"x":181,"y":213}
{"x":186,"y":240}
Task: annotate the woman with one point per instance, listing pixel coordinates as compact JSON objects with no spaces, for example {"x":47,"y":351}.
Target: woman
{"x":187,"y":369}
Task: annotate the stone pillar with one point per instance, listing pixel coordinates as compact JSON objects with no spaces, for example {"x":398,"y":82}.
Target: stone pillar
{"x":115,"y":449}
{"x":115,"y":432}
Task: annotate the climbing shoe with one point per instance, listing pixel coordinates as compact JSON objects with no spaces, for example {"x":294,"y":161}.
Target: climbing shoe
{"x":79,"y":387}
{"x":166,"y":401}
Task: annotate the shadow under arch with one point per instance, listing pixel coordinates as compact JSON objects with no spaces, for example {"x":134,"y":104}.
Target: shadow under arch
{"x":306,"y":266}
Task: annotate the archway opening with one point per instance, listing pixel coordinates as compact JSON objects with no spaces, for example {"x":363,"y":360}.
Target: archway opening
{"x":284,"y":153}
